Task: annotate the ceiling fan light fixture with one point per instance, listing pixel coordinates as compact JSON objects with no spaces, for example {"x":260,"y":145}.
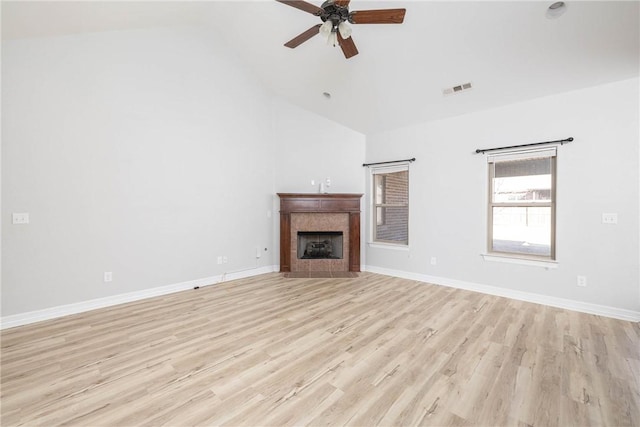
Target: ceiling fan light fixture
{"x":345,"y":30}
{"x":333,"y":39}
{"x":325,"y":29}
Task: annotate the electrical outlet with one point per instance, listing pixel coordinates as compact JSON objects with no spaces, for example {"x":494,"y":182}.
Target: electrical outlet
{"x":108,"y":276}
{"x":609,"y":218}
{"x":434,"y":260}
{"x":582,"y":281}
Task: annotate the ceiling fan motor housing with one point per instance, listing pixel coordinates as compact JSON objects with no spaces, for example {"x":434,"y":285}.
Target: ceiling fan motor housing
{"x":334,"y":13}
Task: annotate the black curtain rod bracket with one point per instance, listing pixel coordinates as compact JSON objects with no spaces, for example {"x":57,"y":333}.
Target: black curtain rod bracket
{"x":559,"y":141}
{"x":392,"y":161}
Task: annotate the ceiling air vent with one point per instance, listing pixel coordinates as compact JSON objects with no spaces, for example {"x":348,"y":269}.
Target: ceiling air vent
{"x":456,"y":89}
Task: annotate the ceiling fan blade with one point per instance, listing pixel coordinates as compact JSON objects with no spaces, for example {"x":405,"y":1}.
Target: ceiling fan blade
{"x":342,"y":3}
{"x":380,"y":16}
{"x":298,"y":40}
{"x":348,"y":46}
{"x":303,"y":5}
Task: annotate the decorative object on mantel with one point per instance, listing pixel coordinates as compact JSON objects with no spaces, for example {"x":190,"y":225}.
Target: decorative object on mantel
{"x":321,"y":209}
{"x":559,"y":141}
{"x":335,"y":15}
{"x":324,"y":185}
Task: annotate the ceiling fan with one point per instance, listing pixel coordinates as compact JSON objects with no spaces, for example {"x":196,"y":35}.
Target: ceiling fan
{"x":335,"y":15}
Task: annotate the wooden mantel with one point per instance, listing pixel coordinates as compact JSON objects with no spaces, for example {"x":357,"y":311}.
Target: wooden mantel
{"x":319,"y":203}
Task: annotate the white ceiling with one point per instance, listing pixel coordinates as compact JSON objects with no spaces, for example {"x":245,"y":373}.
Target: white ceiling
{"x":510,"y":51}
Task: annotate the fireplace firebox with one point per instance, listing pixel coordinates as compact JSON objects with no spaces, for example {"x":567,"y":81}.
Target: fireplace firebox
{"x":319,"y":245}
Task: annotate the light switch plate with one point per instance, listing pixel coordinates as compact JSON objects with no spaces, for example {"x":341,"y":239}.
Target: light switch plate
{"x":21,"y":218}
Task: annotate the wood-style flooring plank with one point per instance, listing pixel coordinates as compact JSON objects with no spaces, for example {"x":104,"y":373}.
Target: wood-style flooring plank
{"x":368,"y":350}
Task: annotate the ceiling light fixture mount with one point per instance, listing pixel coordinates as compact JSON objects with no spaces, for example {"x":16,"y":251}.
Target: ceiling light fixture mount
{"x":556,"y":10}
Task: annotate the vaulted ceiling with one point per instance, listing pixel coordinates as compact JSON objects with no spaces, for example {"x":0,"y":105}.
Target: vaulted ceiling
{"x":509,"y":51}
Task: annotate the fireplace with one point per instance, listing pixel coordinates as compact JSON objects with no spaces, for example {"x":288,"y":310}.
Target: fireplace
{"x":319,"y":232}
{"x":319,"y":245}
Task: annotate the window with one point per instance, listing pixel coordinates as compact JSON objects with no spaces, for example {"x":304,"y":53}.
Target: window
{"x":522,"y":203}
{"x":391,"y":204}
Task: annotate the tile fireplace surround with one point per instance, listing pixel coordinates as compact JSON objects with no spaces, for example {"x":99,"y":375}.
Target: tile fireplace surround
{"x":319,"y":212}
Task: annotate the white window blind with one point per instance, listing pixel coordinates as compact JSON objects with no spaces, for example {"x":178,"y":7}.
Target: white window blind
{"x":398,"y":167}
{"x":521,"y":155}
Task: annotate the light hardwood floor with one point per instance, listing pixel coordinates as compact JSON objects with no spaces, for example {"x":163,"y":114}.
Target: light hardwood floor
{"x":363,"y":351}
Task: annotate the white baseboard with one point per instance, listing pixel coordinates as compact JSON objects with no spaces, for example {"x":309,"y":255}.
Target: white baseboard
{"x":80,"y":307}
{"x":584,"y":307}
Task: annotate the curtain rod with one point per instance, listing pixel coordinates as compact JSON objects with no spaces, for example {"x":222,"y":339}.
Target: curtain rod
{"x":560,"y":141}
{"x":392,"y":161}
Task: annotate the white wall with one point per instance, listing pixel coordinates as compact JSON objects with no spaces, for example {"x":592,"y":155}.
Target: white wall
{"x":145,"y":153}
{"x":597,"y":173}
{"x":148,"y":154}
{"x":310,"y":147}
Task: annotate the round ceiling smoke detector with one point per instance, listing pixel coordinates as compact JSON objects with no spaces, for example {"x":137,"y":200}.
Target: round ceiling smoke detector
{"x":556,"y":10}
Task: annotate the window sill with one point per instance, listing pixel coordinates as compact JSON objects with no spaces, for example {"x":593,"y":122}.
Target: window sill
{"x":395,"y":247}
{"x":522,"y":261}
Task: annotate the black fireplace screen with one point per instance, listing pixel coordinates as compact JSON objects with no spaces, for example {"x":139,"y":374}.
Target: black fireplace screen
{"x":319,"y":244}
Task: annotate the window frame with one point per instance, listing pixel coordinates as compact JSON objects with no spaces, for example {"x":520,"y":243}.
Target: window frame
{"x":552,"y":203}
{"x":384,"y":170}
{"x":380,"y":219}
